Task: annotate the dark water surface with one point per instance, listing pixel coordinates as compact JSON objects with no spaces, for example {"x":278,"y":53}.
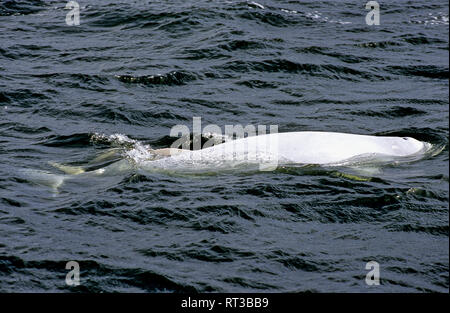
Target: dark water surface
{"x":137,"y":68}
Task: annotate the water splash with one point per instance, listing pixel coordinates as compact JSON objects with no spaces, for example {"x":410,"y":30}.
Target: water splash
{"x":133,"y":149}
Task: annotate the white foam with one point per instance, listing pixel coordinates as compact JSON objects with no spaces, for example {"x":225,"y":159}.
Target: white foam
{"x":114,"y":138}
{"x":256,"y":4}
{"x":439,"y":18}
{"x":135,"y":150}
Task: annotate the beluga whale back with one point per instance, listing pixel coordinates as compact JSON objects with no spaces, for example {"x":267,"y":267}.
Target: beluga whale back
{"x":329,"y":147}
{"x":309,"y":147}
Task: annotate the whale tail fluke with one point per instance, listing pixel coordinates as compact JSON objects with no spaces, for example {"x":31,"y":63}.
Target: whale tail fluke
{"x":44,"y":178}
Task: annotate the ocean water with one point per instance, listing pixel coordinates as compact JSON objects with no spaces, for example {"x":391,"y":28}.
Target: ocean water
{"x":132,"y":70}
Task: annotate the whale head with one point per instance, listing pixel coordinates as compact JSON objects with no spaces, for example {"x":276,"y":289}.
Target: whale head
{"x":403,"y":146}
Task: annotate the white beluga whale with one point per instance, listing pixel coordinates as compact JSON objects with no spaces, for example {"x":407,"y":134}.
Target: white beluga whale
{"x":304,"y":148}
{"x":329,"y":149}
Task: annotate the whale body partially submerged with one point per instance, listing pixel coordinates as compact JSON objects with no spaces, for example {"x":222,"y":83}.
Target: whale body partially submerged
{"x":306,"y":148}
{"x":270,"y":150}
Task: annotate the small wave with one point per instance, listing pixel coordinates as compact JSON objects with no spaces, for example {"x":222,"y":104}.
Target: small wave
{"x":316,"y":15}
{"x":278,"y":16}
{"x":379,"y":44}
{"x":344,"y":57}
{"x":202,"y":54}
{"x":172,"y":20}
{"x":22,"y":97}
{"x":76,"y":80}
{"x":248,"y":283}
{"x":66,"y":141}
{"x":21,"y":51}
{"x":169,"y":79}
{"x":129,"y":16}
{"x":24,"y":7}
{"x":271,"y":18}
{"x":396,"y":111}
{"x":442,"y":230}
{"x":52,"y":271}
{"x":25,"y":129}
{"x":421,"y":39}
{"x":422,"y":195}
{"x":242,"y":45}
{"x":255,"y":83}
{"x":429,"y":71}
{"x":11,"y":202}
{"x":282,"y":65}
